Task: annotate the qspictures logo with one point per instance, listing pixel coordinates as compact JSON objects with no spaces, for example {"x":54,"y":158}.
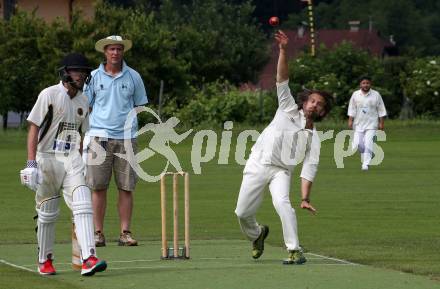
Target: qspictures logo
{"x":205,"y":144}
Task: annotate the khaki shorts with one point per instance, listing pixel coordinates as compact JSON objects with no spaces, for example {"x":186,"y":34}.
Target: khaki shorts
{"x":99,"y":173}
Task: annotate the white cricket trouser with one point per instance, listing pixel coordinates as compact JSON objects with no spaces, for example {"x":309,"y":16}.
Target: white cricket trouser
{"x":363,"y":141}
{"x":255,"y":178}
{"x":66,"y":175}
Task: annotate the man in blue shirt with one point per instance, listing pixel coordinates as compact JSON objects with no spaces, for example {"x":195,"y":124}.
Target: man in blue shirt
{"x":114,"y":90}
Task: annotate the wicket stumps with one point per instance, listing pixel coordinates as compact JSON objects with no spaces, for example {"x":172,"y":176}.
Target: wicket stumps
{"x":175,"y":252}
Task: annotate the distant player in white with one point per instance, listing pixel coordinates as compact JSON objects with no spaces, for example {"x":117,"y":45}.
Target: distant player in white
{"x":289,"y":139}
{"x":54,"y":163}
{"x":366,"y":113}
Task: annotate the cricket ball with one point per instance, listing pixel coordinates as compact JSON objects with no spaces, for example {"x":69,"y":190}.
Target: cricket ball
{"x":274,"y":21}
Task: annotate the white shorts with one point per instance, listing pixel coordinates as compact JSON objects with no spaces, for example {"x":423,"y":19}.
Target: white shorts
{"x":59,"y":174}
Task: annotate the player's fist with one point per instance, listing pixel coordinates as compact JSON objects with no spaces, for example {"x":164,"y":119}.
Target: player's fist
{"x":29,"y":178}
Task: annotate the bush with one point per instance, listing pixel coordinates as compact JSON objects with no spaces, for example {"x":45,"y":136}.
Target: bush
{"x":219,"y":102}
{"x":421,"y":85}
{"x":337,"y":71}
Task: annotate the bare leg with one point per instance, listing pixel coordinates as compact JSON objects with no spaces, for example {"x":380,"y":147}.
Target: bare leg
{"x":99,"y":200}
{"x":125,"y":208}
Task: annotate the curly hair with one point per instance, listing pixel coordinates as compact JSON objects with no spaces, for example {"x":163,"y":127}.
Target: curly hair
{"x":303,"y":96}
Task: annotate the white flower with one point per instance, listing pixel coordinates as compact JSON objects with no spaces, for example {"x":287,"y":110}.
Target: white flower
{"x":436,"y":93}
{"x":326,"y":83}
{"x":428,"y":82}
{"x":302,"y":65}
{"x":417,"y":92}
{"x":433,"y":62}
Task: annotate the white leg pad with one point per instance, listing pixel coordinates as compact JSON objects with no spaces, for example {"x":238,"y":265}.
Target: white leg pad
{"x":48,"y":212}
{"x":83,"y":217}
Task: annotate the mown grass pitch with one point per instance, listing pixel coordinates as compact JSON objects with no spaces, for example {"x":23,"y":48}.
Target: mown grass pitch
{"x":387,"y":217}
{"x":215,"y":264}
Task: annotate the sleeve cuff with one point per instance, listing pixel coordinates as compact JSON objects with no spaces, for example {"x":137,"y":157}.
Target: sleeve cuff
{"x":308,"y":177}
{"x":285,"y":82}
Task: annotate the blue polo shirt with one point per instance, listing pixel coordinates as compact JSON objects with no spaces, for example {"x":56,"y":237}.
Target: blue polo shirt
{"x":111,"y":99}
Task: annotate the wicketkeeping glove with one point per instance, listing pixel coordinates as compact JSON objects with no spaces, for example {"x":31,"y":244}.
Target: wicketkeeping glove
{"x":29,"y":175}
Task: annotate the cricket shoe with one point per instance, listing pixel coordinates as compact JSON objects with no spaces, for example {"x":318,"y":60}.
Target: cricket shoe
{"x":99,"y":239}
{"x":46,"y":268}
{"x":295,"y":257}
{"x":258,"y":244}
{"x":93,"y":265}
{"x":365,"y":167}
{"x":126,"y":239}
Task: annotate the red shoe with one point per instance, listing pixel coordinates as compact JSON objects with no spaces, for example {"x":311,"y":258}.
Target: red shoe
{"x":93,"y":265}
{"x":46,"y":268}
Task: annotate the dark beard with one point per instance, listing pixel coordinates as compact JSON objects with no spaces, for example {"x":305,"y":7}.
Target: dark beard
{"x":315,"y":116}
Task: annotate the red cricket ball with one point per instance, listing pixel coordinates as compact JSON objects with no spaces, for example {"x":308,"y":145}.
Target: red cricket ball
{"x":274,"y":21}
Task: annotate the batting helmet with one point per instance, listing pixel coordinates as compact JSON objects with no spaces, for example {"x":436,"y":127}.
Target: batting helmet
{"x":74,"y":61}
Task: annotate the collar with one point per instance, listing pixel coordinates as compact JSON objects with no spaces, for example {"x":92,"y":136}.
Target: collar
{"x":124,"y":69}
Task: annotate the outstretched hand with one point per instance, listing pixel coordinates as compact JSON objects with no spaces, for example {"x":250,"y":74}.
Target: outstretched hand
{"x":307,"y":206}
{"x":282,"y":39}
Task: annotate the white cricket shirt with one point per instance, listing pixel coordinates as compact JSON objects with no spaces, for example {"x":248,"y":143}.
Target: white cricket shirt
{"x":366,"y":109}
{"x":69,"y":119}
{"x":285,"y":142}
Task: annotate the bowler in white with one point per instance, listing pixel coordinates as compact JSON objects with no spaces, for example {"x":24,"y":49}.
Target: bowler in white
{"x":291,"y":138}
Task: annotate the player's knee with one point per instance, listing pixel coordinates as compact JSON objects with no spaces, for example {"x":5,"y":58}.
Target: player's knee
{"x":82,"y":201}
{"x":281,"y":203}
{"x":48,"y":210}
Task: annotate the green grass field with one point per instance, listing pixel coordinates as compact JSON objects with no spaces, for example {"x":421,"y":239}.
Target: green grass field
{"x":371,"y":230}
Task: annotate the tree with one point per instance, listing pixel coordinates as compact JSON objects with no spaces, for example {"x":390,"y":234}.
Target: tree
{"x":337,"y":71}
{"x":20,"y":72}
{"x":413,"y":24}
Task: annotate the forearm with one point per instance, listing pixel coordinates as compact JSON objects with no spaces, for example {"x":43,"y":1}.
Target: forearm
{"x":283,"y":67}
{"x":381,"y":123}
{"x":32,"y":141}
{"x":350,"y":122}
{"x":306,"y":187}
